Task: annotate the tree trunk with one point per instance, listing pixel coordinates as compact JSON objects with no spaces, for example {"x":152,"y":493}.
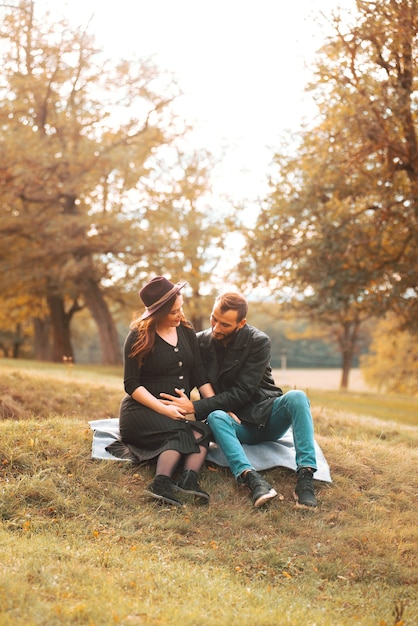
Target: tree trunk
{"x":60,"y":322}
{"x":18,"y":340}
{"x":348,"y":343}
{"x":197,"y":322}
{"x":109,"y":342}
{"x":194,"y":307}
{"x":347,"y":361}
{"x":42,"y":343}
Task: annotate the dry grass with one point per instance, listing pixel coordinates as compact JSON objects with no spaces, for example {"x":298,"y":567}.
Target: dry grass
{"x":28,"y":389}
{"x":81,"y":545}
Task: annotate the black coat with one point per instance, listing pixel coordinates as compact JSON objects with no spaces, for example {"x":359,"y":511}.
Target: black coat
{"x":243,"y":383}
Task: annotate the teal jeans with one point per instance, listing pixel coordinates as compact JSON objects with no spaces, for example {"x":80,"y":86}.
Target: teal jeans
{"x":290,"y":410}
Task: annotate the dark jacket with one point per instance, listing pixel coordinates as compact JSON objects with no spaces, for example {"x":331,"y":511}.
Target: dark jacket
{"x":243,"y":383}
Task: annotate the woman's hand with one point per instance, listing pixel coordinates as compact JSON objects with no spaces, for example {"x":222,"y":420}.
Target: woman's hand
{"x":170,"y":410}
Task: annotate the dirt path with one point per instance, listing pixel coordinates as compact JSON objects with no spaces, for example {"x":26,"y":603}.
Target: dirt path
{"x":319,"y":379}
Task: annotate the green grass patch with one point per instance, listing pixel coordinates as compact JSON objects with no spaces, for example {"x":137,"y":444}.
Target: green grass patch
{"x":395,"y":408}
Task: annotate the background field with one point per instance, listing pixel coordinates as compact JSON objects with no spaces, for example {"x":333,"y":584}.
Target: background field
{"x":318,"y":379}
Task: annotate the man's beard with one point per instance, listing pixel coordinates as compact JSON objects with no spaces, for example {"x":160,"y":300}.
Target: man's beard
{"x":226,"y":339}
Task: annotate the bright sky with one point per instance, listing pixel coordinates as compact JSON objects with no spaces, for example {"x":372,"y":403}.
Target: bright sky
{"x":242,"y":65}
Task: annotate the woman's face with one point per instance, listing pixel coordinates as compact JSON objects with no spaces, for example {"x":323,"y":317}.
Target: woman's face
{"x":173,"y":318}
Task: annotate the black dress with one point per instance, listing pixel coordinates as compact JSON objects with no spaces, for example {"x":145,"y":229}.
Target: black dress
{"x":165,"y":368}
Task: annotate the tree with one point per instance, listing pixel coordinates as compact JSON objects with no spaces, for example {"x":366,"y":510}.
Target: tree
{"x":178,"y":232}
{"x":15,"y":327}
{"x":337,"y":236}
{"x":76,"y":134}
{"x":391,"y":364}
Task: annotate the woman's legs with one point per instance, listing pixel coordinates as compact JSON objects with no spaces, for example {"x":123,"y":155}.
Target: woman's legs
{"x":169,"y":459}
{"x":195,"y":460}
{"x":188,"y":481}
{"x":167,"y":463}
{"x":163,"y":489}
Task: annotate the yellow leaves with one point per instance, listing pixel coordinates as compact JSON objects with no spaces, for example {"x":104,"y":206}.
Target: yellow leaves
{"x":16,"y":310}
{"x":26,"y":526}
{"x":391,"y":362}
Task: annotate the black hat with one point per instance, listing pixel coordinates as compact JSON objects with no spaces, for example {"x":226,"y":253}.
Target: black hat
{"x":158,"y":292}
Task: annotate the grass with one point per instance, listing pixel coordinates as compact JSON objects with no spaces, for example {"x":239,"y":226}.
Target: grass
{"x":399,"y":409}
{"x":80,"y":543}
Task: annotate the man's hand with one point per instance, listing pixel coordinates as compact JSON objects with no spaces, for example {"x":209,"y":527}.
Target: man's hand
{"x":234,"y":417}
{"x":181,"y":401}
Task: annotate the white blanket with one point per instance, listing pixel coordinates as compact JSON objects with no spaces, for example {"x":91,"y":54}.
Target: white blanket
{"x":262,"y":456}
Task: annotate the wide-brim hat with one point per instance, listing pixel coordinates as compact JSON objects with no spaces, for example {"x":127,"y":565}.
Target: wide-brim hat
{"x":157,"y":293}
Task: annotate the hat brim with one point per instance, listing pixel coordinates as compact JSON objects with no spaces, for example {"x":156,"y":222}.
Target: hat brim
{"x":162,"y":301}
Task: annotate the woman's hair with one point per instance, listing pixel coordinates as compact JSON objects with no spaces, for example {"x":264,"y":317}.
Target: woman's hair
{"x":233,"y":302}
{"x":147,"y":327}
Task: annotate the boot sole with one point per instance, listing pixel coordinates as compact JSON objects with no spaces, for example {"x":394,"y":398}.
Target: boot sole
{"x":203,"y":497}
{"x":265,"y":498}
{"x":162,"y":499}
{"x":299,"y":505}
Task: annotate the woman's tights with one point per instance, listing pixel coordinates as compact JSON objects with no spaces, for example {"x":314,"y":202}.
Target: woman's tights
{"x":170,"y":459}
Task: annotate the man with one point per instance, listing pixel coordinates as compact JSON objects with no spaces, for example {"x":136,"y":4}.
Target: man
{"x":248,"y":408}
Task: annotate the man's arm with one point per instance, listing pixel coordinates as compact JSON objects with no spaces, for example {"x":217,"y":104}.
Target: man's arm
{"x":182,"y":402}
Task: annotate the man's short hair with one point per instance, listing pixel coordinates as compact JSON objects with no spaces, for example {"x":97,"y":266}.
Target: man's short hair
{"x":233,"y":302}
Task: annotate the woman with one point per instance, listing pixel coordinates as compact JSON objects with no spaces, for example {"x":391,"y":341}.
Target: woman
{"x":162,"y":356}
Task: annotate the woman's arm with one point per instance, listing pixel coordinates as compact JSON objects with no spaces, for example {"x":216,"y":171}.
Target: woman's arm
{"x":206,"y":390}
{"x":133,"y":387}
{"x":131,"y":368}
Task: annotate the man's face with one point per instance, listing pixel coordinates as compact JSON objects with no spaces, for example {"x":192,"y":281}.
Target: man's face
{"x":224,"y":324}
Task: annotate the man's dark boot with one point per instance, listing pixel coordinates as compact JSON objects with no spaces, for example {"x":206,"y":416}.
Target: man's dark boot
{"x":161,"y":489}
{"x":261,"y":491}
{"x":188,"y":484}
{"x":304,"y":491}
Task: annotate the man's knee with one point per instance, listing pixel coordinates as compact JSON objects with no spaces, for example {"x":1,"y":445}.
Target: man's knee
{"x":217,"y":417}
{"x":297,"y":398}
